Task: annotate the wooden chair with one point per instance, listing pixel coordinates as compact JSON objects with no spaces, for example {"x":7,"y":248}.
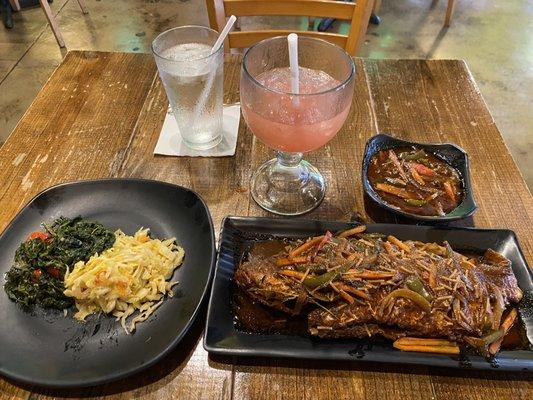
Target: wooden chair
{"x":447,"y":19}
{"x":53,"y":23}
{"x":449,"y":13}
{"x":358,"y":13}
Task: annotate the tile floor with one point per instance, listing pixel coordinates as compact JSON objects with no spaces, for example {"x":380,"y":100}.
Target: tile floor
{"x":494,"y":37}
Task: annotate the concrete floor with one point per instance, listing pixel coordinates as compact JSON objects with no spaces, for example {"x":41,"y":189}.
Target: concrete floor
{"x":494,"y":37}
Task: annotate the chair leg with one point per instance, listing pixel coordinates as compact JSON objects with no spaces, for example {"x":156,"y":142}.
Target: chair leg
{"x":377,"y":7}
{"x":449,"y":13}
{"x":82,"y":6}
{"x":359,"y":25}
{"x":374,"y":17}
{"x":15,"y":5}
{"x":311,"y":24}
{"x":7,"y":13}
{"x":53,"y":23}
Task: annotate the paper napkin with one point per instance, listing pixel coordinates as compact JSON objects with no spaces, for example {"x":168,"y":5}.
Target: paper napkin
{"x":171,"y":144}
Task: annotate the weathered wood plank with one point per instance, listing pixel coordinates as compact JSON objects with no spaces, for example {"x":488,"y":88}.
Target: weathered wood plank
{"x":77,"y":127}
{"x":278,"y":379}
{"x":481,"y":385}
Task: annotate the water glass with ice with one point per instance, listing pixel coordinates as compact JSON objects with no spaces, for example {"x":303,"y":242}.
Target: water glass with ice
{"x":193,"y":80}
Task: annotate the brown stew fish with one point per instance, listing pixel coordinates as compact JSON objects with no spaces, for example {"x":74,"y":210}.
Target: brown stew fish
{"x":415,"y":181}
{"x":424,"y":296}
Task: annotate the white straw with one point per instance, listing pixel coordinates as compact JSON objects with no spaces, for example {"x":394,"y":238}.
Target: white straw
{"x":212,"y":72}
{"x":292,"y":40}
{"x":223,"y":34}
{"x":293,"y":62}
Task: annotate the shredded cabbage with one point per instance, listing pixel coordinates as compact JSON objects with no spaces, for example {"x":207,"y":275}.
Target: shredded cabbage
{"x":132,"y":275}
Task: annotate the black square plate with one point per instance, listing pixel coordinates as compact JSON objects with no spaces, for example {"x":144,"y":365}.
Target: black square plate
{"x":44,"y":347}
{"x":238,"y":233}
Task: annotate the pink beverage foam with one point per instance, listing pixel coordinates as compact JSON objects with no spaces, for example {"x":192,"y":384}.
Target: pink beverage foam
{"x":296,"y":126}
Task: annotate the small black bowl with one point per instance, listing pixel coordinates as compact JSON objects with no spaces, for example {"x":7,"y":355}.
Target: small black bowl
{"x":450,"y":153}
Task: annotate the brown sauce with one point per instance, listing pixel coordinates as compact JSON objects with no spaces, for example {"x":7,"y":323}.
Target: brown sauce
{"x":268,"y":248}
{"x":252,"y":317}
{"x":415,"y":181}
{"x":516,"y":338}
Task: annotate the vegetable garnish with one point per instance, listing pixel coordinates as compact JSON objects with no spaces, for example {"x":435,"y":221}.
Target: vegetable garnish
{"x":130,"y":276}
{"x":36,"y":278}
{"x":415,"y":181}
{"x":39,"y":235}
{"x":75,"y":261}
{"x":355,"y":284}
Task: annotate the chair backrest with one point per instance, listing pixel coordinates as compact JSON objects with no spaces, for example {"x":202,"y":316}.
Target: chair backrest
{"x":357,"y":12}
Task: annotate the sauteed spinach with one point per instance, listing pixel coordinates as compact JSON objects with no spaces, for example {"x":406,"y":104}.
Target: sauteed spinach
{"x":41,"y":262}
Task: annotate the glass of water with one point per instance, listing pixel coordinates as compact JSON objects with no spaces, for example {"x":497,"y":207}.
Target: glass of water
{"x":193,"y":80}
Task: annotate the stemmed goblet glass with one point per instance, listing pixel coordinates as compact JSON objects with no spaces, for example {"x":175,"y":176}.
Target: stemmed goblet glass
{"x":293,"y":124}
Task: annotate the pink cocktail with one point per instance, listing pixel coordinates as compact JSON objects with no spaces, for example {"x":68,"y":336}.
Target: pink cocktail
{"x":293,"y":124}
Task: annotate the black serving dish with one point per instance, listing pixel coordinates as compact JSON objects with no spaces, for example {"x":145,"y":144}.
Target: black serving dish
{"x":450,"y":153}
{"x":45,"y":348}
{"x":238,"y":235}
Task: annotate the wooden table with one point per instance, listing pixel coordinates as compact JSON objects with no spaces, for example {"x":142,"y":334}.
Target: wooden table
{"x":99,"y":116}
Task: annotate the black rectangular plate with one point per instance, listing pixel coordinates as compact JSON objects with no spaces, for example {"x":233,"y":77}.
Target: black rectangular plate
{"x":239,"y":232}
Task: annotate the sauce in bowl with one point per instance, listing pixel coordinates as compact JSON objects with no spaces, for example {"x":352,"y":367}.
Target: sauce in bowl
{"x":415,"y":181}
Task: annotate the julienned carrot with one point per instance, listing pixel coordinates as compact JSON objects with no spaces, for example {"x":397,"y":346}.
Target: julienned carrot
{"x":453,"y":350}
{"x":449,"y":190}
{"x":422,"y":169}
{"x":425,"y":341}
{"x":353,"y":231}
{"x":399,"y":192}
{"x":398,"y":243}
{"x":389,"y":248}
{"x":306,"y":246}
{"x":440,"y":346}
{"x":371,"y":275}
{"x":349,"y":299}
{"x":467,"y":264}
{"x":433,"y":276}
{"x":417,"y":177}
{"x":284,"y":262}
{"x":506,"y":325}
{"x":292,"y":274}
{"x":352,"y":290}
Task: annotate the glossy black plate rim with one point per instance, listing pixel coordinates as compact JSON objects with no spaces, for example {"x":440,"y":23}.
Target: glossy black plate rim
{"x":465,"y":209}
{"x":522,"y":358}
{"x":131,"y":371}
